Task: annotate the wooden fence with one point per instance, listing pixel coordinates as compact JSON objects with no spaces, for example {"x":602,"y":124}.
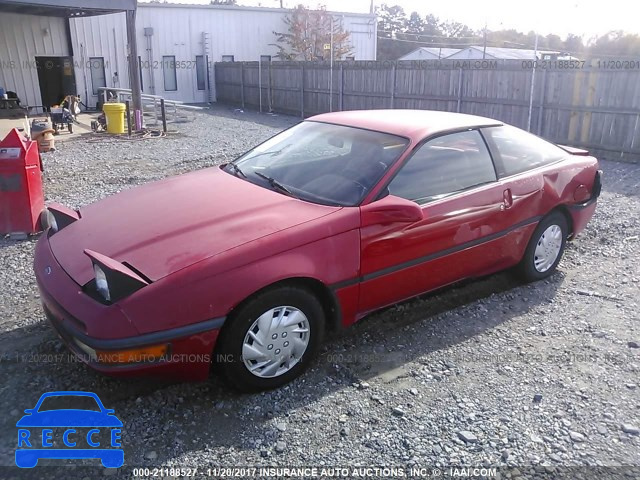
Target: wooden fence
{"x":593,"y":106}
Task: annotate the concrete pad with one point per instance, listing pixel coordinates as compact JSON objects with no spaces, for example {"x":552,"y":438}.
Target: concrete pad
{"x":84,"y":125}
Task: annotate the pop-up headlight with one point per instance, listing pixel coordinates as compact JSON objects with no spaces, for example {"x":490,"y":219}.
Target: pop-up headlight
{"x":113,"y":280}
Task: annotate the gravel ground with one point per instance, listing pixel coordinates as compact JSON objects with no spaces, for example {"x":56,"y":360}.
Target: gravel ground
{"x":537,"y":377}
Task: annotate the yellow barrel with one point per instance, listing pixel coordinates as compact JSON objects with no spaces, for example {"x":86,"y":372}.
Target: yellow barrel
{"x":114,"y":113}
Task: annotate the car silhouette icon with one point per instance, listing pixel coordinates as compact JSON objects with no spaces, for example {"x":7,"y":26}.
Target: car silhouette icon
{"x":53,"y":429}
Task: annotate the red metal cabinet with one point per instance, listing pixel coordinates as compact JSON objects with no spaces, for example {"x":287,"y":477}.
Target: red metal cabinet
{"x":21,"y":197}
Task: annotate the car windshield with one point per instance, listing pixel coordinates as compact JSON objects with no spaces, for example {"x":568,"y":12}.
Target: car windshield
{"x":69,"y":402}
{"x":320,"y":162}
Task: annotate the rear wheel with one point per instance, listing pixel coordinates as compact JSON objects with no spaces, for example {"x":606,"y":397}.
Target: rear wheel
{"x":271,"y":339}
{"x":545,"y":248}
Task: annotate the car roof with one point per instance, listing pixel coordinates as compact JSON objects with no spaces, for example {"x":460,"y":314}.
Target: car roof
{"x":414,"y":124}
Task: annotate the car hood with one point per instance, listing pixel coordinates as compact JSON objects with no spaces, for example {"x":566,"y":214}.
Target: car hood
{"x":162,"y":227}
{"x":69,"y":418}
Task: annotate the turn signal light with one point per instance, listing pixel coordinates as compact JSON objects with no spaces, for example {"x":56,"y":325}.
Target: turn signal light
{"x":148,"y":354}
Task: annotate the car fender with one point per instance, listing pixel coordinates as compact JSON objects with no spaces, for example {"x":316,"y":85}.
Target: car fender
{"x":327,"y":251}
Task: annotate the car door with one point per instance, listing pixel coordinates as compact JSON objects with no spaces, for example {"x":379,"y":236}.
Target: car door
{"x":453,"y":180}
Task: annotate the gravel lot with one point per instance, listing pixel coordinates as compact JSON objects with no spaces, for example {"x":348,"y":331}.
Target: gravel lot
{"x":490,"y":373}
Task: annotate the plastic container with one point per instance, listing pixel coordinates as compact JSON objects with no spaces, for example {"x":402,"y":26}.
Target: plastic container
{"x":114,"y":113}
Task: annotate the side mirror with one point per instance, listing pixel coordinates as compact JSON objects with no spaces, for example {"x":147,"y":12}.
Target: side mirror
{"x":391,"y":209}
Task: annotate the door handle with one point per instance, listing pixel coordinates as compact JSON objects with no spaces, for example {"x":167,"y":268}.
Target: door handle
{"x":507,"y":199}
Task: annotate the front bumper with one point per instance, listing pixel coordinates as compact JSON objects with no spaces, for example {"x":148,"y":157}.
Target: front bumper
{"x":87,"y":326}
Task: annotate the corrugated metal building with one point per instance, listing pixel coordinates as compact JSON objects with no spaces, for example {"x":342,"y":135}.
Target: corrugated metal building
{"x":176,"y":44}
{"x":23,"y":39}
{"x":36,"y":51}
{"x":175,"y":41}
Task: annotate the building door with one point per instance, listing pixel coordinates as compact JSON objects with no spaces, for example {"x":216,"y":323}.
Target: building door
{"x":56,"y":78}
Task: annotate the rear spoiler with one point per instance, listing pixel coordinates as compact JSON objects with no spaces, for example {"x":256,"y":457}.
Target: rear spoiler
{"x":575,"y":151}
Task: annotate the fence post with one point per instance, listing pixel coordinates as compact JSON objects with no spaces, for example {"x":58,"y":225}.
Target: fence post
{"x":242,"y":83}
{"x":260,"y":83}
{"x":164,"y":115}
{"x":302,"y":91}
{"x":459,"y":90}
{"x":341,"y":98}
{"x":393,"y":84}
{"x":543,"y":93}
{"x":270,"y":91}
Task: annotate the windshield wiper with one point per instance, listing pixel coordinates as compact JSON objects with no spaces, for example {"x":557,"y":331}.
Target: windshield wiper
{"x":276,"y":184}
{"x":236,"y":169}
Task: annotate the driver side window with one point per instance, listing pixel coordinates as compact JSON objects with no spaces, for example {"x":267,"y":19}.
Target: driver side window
{"x":443,"y":166}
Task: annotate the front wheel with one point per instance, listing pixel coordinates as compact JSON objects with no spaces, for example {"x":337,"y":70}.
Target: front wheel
{"x":271,"y":339}
{"x":545,"y":248}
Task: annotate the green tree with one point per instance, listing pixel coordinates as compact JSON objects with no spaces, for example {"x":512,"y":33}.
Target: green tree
{"x":573,"y":44}
{"x":414,"y":23}
{"x":617,"y":43}
{"x":309,"y":31}
{"x":392,"y":20}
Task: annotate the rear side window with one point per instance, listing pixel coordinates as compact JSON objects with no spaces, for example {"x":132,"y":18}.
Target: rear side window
{"x":443,"y":166}
{"x":520,"y":151}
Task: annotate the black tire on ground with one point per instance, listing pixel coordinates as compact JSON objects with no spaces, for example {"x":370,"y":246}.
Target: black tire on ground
{"x":228,"y":353}
{"x":526,"y":269}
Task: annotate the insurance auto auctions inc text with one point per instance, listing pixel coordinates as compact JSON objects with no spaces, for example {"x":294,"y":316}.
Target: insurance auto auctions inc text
{"x":352,"y":472}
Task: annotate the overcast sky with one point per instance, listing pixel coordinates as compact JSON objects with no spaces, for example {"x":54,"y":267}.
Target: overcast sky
{"x":583,"y":17}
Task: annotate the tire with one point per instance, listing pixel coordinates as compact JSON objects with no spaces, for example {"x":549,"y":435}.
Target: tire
{"x":540,"y":260}
{"x":247,"y":342}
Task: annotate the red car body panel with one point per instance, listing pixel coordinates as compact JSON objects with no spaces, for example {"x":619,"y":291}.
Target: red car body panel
{"x":159,"y":227}
{"x":209,"y":240}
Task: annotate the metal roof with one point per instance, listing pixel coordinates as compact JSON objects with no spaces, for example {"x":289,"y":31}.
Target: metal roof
{"x":437,"y":51}
{"x":503,"y":53}
{"x":66,"y":8}
{"x":147,"y":3}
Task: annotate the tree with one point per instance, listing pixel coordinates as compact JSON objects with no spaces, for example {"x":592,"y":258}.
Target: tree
{"x":616,"y":42}
{"x":309,"y":31}
{"x":573,"y":44}
{"x":392,"y":20}
{"x":414,"y":24}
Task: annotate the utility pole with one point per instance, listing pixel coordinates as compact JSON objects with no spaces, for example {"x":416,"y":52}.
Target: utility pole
{"x":371,"y":8}
{"x":533,"y":83}
{"x":484,"y":35}
{"x":134,"y":72}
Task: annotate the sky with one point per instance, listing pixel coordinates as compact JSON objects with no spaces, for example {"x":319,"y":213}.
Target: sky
{"x":586,"y":18}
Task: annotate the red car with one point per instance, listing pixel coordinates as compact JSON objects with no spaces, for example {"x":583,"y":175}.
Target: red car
{"x":246,"y":265}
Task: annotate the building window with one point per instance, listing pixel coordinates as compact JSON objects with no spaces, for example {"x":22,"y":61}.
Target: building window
{"x":98,"y":77}
{"x":265,"y":58}
{"x":169,"y":73}
{"x":140,"y":72}
{"x":228,"y":58}
{"x":201,"y":73}
{"x":350,"y":58}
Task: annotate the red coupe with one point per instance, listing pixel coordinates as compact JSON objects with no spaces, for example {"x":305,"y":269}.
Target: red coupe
{"x":246,"y":265}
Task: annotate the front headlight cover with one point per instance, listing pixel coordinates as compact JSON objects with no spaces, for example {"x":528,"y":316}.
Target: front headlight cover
{"x":102,"y":285}
{"x":113,"y":280}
